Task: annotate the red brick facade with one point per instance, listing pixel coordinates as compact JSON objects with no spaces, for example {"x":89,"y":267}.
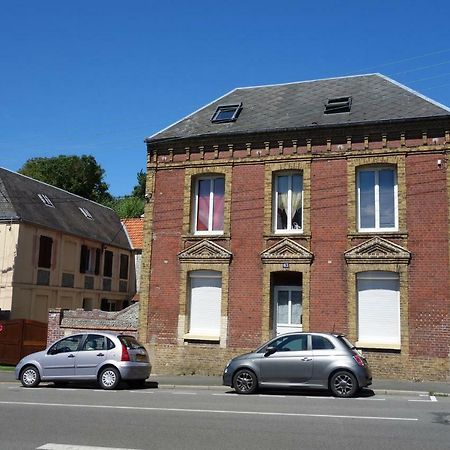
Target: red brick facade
{"x":328,"y":278}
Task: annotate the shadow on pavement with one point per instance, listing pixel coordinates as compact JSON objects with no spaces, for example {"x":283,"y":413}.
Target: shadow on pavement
{"x":298,"y":392}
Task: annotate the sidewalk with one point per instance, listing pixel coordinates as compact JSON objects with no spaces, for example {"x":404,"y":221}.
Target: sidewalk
{"x":380,"y":386}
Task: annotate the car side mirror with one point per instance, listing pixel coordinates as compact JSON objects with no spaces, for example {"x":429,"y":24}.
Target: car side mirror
{"x":270,"y":351}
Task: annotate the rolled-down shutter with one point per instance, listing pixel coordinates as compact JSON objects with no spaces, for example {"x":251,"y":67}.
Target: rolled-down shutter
{"x":379,"y":308}
{"x":206,"y":294}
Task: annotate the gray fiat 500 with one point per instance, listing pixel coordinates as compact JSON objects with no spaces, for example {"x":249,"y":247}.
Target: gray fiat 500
{"x":301,"y":360}
{"x":106,"y":358}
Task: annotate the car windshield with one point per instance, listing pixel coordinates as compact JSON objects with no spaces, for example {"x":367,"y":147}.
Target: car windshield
{"x":130,"y":342}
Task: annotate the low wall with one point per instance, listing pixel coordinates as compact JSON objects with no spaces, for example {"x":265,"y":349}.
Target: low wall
{"x":63,"y":322}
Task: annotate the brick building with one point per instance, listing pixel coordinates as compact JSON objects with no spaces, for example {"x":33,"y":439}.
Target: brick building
{"x":319,"y":205}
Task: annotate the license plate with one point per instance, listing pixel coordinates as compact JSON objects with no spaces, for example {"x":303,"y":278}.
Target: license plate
{"x":140,"y":358}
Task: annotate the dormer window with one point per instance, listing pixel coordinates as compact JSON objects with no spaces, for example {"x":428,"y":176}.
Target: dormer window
{"x":338,"y":105}
{"x":86,"y":213}
{"x":46,"y":201}
{"x":226,"y":113}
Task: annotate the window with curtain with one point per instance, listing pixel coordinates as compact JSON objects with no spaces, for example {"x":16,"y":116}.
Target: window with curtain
{"x":209,"y":205}
{"x":377,"y":199}
{"x":378,"y":308}
{"x":288,"y":202}
{"x":205,"y":301}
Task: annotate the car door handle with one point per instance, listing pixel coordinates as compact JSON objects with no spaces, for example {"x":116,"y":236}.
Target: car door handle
{"x":71,"y":356}
{"x":100,"y":354}
{"x":305,"y":358}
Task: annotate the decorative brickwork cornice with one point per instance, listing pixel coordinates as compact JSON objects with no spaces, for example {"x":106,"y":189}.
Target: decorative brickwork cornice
{"x":287,"y":251}
{"x":377,"y":250}
{"x":205,"y":252}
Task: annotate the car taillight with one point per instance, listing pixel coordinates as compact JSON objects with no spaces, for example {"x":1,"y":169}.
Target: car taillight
{"x":359,"y":360}
{"x":125,"y":354}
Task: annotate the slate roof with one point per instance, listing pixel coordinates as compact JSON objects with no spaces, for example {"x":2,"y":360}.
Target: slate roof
{"x":375,"y":98}
{"x":19,"y":201}
{"x":135,"y":230}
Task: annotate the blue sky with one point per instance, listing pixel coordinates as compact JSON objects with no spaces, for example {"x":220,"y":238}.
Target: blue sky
{"x":96,"y":77}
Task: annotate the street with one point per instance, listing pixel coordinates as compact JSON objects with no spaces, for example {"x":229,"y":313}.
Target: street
{"x":53,"y":418}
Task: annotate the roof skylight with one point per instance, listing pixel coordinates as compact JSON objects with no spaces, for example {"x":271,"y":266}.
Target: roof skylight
{"x":226,"y":113}
{"x":46,"y":201}
{"x":86,"y":213}
{"x":338,"y":105}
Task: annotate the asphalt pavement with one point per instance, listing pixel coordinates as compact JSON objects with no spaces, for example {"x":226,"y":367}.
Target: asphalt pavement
{"x":379,"y":386}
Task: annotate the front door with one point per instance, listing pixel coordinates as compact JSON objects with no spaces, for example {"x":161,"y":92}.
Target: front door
{"x":287,"y":309}
{"x":291,"y":363}
{"x":59,"y":362}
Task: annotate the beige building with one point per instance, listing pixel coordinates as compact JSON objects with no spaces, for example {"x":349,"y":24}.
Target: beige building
{"x":59,"y":250}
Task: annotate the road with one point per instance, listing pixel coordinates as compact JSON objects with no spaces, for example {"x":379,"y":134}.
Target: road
{"x":51,"y":418}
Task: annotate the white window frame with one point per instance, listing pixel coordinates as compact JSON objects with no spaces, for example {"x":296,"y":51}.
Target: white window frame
{"x":214,"y":322}
{"x":209,"y":231}
{"x":371,"y":337}
{"x":289,"y":229}
{"x":377,"y":227}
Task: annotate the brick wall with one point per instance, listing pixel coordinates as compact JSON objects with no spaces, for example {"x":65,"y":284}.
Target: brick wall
{"x":66,"y":322}
{"x":428,"y":240}
{"x":247,"y":212}
{"x":330,"y":231}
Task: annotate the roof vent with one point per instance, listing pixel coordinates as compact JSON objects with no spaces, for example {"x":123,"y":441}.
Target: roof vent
{"x":226,"y":113}
{"x":338,"y":105}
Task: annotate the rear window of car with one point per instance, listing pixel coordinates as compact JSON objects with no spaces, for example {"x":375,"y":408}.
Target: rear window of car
{"x":321,"y":343}
{"x":346,"y":342}
{"x":130,"y":342}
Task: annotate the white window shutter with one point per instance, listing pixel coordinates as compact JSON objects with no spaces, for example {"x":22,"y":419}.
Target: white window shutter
{"x":378,"y":308}
{"x":206,"y":294}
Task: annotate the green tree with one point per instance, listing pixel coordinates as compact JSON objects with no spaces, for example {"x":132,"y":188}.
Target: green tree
{"x":139,"y":189}
{"x":80,"y":175}
{"x":127,"y":207}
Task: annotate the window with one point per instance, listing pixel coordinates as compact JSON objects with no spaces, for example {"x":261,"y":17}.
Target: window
{"x":123,"y":267}
{"x":108,"y":264}
{"x":321,"y":343}
{"x":108,"y":305}
{"x":205,"y":303}
{"x":46,"y":201}
{"x":338,"y":105}
{"x":209,"y":205}
{"x":94,"y":342}
{"x":378,"y":308}
{"x":90,"y":260}
{"x":294,"y":343}
{"x":288,"y":308}
{"x":67,"y":345}
{"x":45,"y":252}
{"x":86,"y":213}
{"x":377,"y":199}
{"x":288,"y":202}
{"x":226,"y":113}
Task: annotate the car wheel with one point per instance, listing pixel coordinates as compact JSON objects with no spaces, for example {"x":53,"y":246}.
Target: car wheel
{"x":29,"y":377}
{"x":343,"y":384}
{"x":245,"y":382}
{"x":109,"y":378}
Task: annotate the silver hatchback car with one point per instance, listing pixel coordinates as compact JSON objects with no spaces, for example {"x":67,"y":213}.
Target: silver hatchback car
{"x":301,"y":360}
{"x":106,"y":358}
